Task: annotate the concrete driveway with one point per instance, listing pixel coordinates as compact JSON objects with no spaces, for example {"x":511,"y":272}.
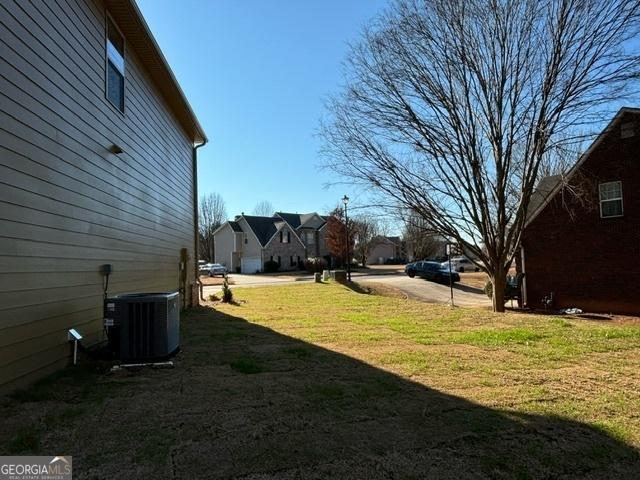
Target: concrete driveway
{"x":420,"y":289}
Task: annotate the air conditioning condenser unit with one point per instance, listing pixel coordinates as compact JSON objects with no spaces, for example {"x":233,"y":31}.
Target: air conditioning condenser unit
{"x":143,"y":326}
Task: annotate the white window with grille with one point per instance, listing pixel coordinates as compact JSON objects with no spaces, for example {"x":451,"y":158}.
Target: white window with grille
{"x":610,"y":199}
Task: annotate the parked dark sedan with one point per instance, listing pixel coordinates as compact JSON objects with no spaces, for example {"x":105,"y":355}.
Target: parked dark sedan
{"x":433,"y":271}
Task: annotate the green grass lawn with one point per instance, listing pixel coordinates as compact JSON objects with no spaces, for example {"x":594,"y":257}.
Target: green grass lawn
{"x":320,"y":381}
{"x":586,"y":370}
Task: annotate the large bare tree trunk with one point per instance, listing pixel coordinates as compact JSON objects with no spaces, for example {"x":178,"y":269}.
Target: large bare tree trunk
{"x":499,"y":282}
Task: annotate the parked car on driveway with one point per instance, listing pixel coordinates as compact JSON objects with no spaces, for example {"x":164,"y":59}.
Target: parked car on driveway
{"x":461,"y":264}
{"x":212,"y":269}
{"x":433,"y":271}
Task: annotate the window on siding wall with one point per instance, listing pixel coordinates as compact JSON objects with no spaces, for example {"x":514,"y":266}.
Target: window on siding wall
{"x":288,"y":237}
{"x":291,"y":261}
{"x":115,"y":66}
{"x":610,"y":199}
{"x":279,"y":260}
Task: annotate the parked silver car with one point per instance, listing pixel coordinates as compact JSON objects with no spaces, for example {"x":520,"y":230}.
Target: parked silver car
{"x":212,"y":269}
{"x":461,"y":264}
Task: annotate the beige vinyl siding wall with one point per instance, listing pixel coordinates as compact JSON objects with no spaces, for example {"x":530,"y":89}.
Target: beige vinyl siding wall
{"x":252,"y":248}
{"x":67,"y":205}
{"x":223,"y":245}
{"x":382,"y":250}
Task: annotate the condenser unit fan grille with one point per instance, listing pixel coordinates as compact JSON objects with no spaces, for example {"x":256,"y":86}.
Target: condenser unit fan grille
{"x":142,"y":331}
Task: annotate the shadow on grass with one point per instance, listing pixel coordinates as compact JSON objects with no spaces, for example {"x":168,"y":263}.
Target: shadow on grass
{"x":358,"y":288}
{"x":246,"y":401}
{"x":468,"y":288}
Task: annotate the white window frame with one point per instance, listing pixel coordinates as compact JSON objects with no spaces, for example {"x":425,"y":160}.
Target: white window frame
{"x":118,"y":63}
{"x":619,"y":182}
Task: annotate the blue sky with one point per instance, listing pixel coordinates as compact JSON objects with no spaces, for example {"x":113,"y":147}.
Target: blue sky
{"x":257,"y":74}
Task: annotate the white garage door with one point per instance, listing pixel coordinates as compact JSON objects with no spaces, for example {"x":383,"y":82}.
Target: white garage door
{"x":250,"y":264}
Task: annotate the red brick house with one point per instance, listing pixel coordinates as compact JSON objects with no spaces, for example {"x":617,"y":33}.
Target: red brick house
{"x":584,"y":251}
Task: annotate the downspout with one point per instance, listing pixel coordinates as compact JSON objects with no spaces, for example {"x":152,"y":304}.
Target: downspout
{"x":196,"y":233}
{"x":524,"y":279}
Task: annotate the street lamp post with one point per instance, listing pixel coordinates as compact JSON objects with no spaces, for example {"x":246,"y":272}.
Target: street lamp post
{"x":345,"y":200}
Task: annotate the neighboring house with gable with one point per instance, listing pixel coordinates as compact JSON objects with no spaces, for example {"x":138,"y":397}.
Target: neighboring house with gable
{"x":385,"y":248}
{"x":583,"y":251}
{"x":247,"y":242}
{"x":311,"y":228}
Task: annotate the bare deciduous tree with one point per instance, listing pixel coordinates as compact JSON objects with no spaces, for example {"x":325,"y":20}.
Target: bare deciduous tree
{"x":264,"y":208}
{"x":420,"y":239}
{"x":213,"y":213}
{"x":366,"y":234}
{"x":451,"y":106}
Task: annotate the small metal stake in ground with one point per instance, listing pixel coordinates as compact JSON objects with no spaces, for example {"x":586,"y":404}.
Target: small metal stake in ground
{"x":450,"y":276}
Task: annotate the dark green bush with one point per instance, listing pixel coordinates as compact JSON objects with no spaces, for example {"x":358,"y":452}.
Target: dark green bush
{"x":227,"y":294}
{"x":395,"y":261}
{"x":315,"y":264}
{"x":271,"y":266}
